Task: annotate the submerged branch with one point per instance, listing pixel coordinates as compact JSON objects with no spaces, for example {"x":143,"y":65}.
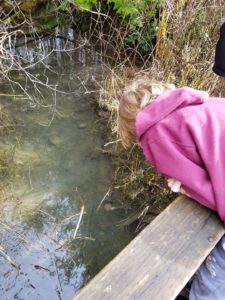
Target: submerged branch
{"x":78,"y":223}
{"x":9,"y":259}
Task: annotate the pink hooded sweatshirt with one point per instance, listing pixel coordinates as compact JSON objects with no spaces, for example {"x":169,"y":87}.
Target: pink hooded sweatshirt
{"x":182,"y":134}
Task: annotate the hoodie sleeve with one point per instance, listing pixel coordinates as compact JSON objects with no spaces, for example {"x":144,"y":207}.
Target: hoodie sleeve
{"x":174,"y":160}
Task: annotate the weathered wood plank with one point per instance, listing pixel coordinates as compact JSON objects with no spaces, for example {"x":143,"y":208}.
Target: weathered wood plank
{"x":157,"y":264}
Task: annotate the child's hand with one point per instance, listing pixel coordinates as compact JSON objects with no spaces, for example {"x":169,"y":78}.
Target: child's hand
{"x":175,"y":186}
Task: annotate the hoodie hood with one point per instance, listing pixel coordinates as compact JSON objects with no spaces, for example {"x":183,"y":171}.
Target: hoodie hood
{"x":165,"y":104}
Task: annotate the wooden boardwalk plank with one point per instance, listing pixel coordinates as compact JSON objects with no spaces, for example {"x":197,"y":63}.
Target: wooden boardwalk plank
{"x":157,"y":264}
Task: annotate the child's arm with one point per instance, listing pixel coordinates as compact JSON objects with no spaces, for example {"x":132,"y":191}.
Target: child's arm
{"x":170,"y":160}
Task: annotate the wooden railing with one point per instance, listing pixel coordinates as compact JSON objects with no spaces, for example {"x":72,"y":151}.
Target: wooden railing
{"x":158,"y":263}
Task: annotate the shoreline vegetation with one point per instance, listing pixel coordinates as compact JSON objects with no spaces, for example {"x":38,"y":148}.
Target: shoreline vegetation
{"x":168,"y":40}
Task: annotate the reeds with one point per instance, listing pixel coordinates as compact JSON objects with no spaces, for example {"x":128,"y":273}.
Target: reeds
{"x":186,"y":39}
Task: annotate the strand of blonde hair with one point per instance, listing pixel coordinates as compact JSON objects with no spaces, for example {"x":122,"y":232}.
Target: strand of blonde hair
{"x":136,"y":96}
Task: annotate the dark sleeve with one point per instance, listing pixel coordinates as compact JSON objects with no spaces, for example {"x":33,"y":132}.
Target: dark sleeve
{"x":219,"y":64}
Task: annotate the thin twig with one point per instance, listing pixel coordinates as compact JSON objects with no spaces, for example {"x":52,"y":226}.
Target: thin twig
{"x":9,"y":259}
{"x":78,"y":223}
{"x":59,"y":286}
{"x":103,"y":199}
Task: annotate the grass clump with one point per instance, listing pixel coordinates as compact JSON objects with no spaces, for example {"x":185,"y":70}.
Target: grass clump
{"x":186,"y":39}
{"x":137,"y":180}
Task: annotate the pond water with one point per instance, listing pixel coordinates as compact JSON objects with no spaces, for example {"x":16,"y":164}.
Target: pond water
{"x":58,"y":219}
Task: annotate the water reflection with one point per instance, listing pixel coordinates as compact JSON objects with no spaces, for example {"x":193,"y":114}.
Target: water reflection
{"x":58,"y":171}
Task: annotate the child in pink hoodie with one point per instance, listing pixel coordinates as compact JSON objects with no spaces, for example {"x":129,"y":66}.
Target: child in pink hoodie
{"x":182,"y":134}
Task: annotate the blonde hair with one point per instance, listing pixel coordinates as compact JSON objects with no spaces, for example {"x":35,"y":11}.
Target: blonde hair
{"x":135,"y":97}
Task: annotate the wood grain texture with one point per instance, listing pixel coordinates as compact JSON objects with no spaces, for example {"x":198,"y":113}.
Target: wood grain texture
{"x":157,"y":264}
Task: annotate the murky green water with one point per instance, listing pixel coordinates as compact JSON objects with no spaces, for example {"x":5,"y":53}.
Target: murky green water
{"x":57,"y":179}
